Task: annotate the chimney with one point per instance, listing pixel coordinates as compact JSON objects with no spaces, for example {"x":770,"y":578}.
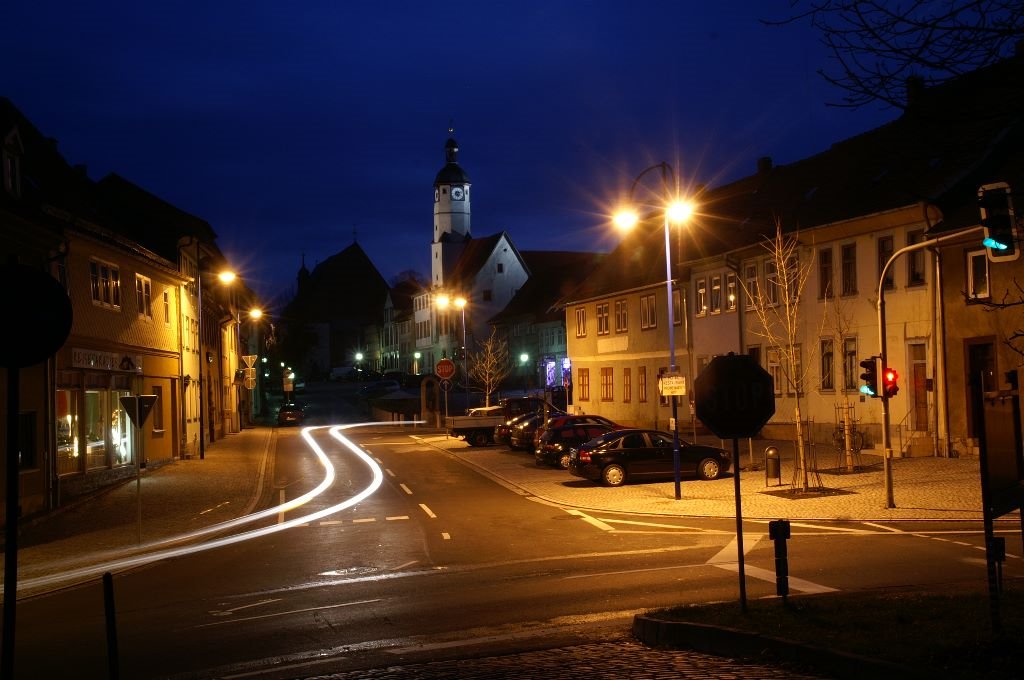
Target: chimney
{"x":764,"y":164}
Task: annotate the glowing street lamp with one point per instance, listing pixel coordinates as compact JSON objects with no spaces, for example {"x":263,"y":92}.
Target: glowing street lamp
{"x":459,"y":302}
{"x":675,"y":211}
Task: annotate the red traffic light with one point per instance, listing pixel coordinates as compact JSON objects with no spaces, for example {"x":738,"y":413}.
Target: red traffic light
{"x":890,"y":382}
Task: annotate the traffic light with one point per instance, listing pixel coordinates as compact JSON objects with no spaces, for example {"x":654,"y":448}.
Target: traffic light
{"x":870,"y":377}
{"x":890,"y":383}
{"x":997,"y":217}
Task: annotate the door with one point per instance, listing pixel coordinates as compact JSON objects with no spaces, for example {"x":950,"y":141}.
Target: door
{"x":981,"y":369}
{"x":919,"y":386}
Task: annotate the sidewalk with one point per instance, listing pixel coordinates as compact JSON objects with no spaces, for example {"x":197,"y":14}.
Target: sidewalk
{"x":189,"y":495}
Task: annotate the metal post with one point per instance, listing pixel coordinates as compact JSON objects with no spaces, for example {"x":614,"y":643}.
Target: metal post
{"x":200,"y":386}
{"x":465,"y":355}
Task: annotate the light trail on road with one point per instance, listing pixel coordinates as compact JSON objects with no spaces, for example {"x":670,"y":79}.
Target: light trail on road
{"x":154,"y":554}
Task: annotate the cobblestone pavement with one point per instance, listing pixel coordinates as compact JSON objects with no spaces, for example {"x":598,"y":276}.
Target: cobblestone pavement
{"x":599,"y":661}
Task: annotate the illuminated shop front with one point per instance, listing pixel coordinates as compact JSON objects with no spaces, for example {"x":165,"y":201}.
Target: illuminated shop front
{"x":92,"y":429}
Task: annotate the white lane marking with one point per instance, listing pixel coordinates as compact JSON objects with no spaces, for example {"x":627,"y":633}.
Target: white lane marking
{"x":591,"y":520}
{"x":364,"y":520}
{"x":403,"y":566}
{"x":331,"y":522}
{"x":427,"y":510}
{"x":219,"y":505}
{"x":726,"y":559}
{"x":883,"y":527}
{"x":280,"y":503}
{"x":287,"y":613}
{"x":634,"y":571}
{"x":446,"y":536}
{"x":226,"y":612}
{"x":406,"y":489}
{"x":664,"y":526}
{"x":390,"y":473}
{"x":396,"y":517}
{"x":379,"y":461}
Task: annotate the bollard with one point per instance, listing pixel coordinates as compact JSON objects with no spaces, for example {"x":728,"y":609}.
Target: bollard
{"x":108,"y":602}
{"x":772,"y":465}
{"x":998,"y":553}
{"x":778,"y":531}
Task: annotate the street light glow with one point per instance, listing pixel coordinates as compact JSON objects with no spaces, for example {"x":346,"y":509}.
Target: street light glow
{"x":443,"y":301}
{"x":227,"y":276}
{"x":255,"y":313}
{"x":679,"y":211}
{"x":626,"y":219}
{"x":460,"y":302}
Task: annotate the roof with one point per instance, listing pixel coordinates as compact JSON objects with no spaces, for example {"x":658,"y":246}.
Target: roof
{"x":475,"y":253}
{"x":452,"y":172}
{"x":553,"y":275}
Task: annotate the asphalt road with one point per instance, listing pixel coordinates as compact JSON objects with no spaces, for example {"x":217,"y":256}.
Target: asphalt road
{"x":440,"y":562}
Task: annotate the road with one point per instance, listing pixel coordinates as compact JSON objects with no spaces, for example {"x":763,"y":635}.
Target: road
{"x":408,"y":555}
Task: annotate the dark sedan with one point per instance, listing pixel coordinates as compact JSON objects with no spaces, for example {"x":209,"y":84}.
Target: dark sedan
{"x":563,"y":419}
{"x":521,"y":433}
{"x":634,"y":455}
{"x":503,"y":432}
{"x":290,"y":414}
{"x":556,"y":442}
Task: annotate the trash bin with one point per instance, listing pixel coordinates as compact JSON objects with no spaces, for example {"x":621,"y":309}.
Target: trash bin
{"x":772,"y":465}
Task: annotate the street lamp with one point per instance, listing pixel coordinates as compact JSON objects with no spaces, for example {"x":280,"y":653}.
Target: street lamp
{"x":443,"y":301}
{"x":675,"y":211}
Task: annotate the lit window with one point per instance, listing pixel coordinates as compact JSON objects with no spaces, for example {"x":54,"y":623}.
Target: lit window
{"x":603,"y":321}
{"x":977,"y":275}
{"x":648,"y":312}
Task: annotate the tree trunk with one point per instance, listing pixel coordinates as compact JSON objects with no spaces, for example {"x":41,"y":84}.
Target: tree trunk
{"x":801,"y":452}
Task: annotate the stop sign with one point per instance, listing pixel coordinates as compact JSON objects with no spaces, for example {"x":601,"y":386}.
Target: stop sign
{"x":445,"y":369}
{"x":734,"y":396}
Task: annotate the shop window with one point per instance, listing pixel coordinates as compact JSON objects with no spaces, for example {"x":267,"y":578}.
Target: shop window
{"x":27,"y":451}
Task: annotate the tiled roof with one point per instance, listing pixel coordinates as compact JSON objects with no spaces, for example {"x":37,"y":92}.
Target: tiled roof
{"x":553,"y":274}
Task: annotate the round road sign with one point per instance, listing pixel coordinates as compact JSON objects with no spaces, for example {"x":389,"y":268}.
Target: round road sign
{"x":734,"y":396}
{"x":42,"y":310}
{"x":445,"y":369}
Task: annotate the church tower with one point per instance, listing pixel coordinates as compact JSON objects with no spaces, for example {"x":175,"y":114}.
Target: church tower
{"x":451,"y":214}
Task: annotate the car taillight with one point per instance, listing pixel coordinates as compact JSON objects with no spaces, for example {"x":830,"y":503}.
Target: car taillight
{"x":584,"y":455}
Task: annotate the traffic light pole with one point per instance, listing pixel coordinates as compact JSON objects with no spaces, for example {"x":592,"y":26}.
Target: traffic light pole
{"x":884,"y":352}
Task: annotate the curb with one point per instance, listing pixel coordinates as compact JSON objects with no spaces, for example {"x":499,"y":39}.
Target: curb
{"x":733,"y":642}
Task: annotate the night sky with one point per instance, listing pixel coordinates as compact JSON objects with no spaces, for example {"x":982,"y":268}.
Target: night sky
{"x":294,"y":127}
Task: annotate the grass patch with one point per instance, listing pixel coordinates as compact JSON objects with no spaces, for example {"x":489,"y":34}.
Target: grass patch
{"x":944,"y":633}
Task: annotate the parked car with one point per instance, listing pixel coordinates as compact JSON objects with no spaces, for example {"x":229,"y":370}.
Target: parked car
{"x":563,"y":419}
{"x":627,"y":455}
{"x":503,"y":431}
{"x":484,"y":411}
{"x":556,"y":442}
{"x":521,"y":434}
{"x":290,"y":414}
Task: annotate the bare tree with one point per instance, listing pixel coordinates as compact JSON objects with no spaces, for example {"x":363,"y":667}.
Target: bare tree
{"x":839,"y":319}
{"x":490,"y":364}
{"x":877,"y":45}
{"x":777,"y":306}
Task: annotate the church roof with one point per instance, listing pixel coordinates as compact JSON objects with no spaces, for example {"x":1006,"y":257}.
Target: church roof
{"x":452,"y":172}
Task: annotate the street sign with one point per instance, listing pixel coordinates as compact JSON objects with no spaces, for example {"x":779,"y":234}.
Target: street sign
{"x":672,"y":385}
{"x":145,"y":405}
{"x":446,"y":385}
{"x":734,"y":396}
{"x":250,"y":383}
{"x":445,"y":369}
{"x":249,"y":359}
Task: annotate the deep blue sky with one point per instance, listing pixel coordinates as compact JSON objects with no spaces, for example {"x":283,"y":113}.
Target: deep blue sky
{"x":289,"y":125}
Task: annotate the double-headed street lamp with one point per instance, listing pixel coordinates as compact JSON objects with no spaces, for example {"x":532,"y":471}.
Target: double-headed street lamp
{"x":443,"y":301}
{"x":675,"y":211}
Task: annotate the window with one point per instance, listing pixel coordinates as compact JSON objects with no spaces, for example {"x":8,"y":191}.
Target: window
{"x":771,"y":283}
{"x":750,"y":276}
{"x":27,"y":457}
{"x":828,"y":379}
{"x":730,"y":292}
{"x":825,"y":273}
{"x":915,"y":259}
{"x":12,"y":174}
{"x":581,"y":322}
{"x":977,"y":275}
{"x":648,"y":312}
{"x":885,"y":251}
{"x":662,"y":399}
{"x":627,"y":385}
{"x":621,"y":316}
{"x":793,"y":277}
{"x":775,"y":368}
{"x":501,"y":267}
{"x":143,"y":296}
{"x":677,"y":307}
{"x":641,"y":382}
{"x":603,"y":321}
{"x":106,"y":284}
{"x":716,"y":294}
{"x":701,"y":308}
{"x":850,"y":364}
{"x":607,"y":384}
{"x":849,"y":265}
{"x":584,"y":384}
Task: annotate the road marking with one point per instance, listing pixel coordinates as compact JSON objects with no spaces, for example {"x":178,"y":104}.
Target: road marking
{"x":726,"y":559}
{"x":226,"y":612}
{"x":883,"y":527}
{"x":390,"y":473}
{"x":403,"y":566}
{"x":331,"y":522}
{"x":406,"y":489}
{"x":280,"y":502}
{"x":364,"y":520}
{"x":591,"y":520}
{"x":446,"y":536}
{"x":664,"y":526}
{"x":427,"y":510}
{"x":286,"y":613}
{"x":219,"y":505}
{"x":396,"y":517}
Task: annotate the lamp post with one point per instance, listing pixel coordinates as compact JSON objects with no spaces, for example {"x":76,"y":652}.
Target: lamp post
{"x":674,"y":211}
{"x":459,"y":303}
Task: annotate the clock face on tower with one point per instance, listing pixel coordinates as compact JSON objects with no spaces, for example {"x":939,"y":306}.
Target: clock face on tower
{"x":437,"y":195}
{"x":457,"y":194}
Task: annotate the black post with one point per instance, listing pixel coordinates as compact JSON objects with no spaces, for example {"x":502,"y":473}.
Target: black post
{"x":977,"y":394}
{"x":739,"y":523}
{"x":11,"y":531}
{"x":779,"y":532}
{"x":111,"y":615}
